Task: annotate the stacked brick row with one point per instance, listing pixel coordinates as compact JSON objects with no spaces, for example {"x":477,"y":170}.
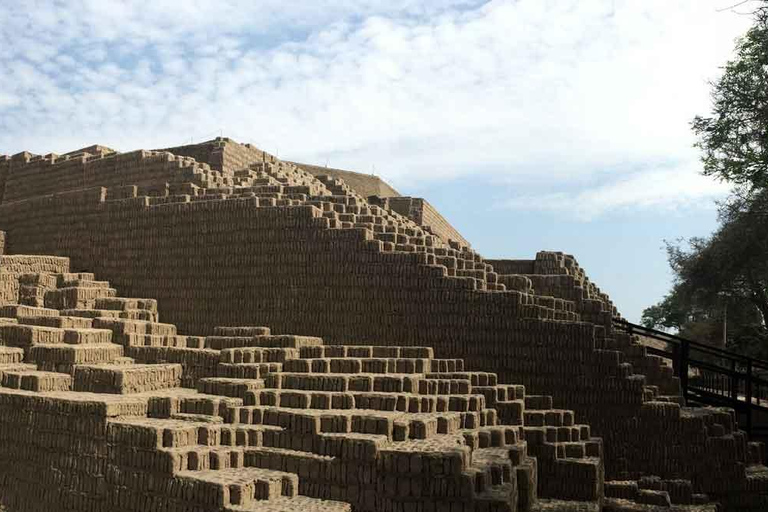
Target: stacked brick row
{"x":240,"y":156}
{"x":12,"y":268}
{"x":86,"y":452}
{"x":54,"y":449}
{"x":652,"y":492}
{"x":558,"y":275}
{"x":592,"y":380}
{"x":211,"y":153}
{"x":241,"y":160}
{"x":313,"y":265}
{"x":63,"y":433}
{"x":131,"y":170}
{"x":382,"y":428}
{"x":28,"y":175}
{"x":277,"y":178}
{"x":425,"y":215}
{"x":131,"y":331}
{"x":223,"y":154}
{"x":366,"y":185}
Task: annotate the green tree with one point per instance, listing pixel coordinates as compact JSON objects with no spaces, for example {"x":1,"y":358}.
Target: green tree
{"x":720,"y":278}
{"x":727,"y":272}
{"x":670,"y":313}
{"x":733,"y":139}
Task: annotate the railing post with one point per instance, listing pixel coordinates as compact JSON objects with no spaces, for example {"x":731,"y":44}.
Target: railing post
{"x":734,"y":382}
{"x":684,"y":352}
{"x":749,"y":396}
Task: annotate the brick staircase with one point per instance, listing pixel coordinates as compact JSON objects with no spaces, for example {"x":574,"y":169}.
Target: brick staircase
{"x":282,"y":422}
{"x":280,"y":184}
{"x":630,"y":383}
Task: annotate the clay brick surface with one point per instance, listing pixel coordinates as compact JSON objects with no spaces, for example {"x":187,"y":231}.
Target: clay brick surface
{"x":407,"y":344}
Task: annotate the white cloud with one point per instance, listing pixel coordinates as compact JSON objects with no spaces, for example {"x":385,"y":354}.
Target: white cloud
{"x":6,"y":100}
{"x":572,"y":91}
{"x":662,"y":189}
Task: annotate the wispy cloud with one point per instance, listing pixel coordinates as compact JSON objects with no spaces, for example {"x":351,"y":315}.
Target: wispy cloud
{"x":524,"y":90}
{"x":665,"y":189}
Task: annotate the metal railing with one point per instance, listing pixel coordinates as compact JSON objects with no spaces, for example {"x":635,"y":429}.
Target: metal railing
{"x":713,"y":376}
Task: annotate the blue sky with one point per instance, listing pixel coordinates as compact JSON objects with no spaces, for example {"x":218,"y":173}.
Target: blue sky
{"x":532,"y":124}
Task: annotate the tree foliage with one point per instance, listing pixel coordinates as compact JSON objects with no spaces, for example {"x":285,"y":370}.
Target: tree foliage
{"x":733,"y":139}
{"x":732,"y":263}
{"x":728,"y":271}
{"x":723,"y":275}
{"x":670,"y":313}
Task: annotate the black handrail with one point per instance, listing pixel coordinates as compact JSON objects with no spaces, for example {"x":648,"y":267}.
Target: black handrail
{"x":734,"y":385}
{"x":653,"y":333}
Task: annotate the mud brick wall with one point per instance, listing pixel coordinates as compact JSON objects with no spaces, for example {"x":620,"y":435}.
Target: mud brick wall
{"x":261,"y":262}
{"x":9,"y":288}
{"x":68,"y":235}
{"x":513,"y":266}
{"x":517,"y":282}
{"x":223,"y":154}
{"x":95,"y":149}
{"x":91,"y":453}
{"x":210,"y":152}
{"x":5,"y":165}
{"x":425,"y":215}
{"x":365,"y":185}
{"x":573,"y":268}
{"x":636,"y":435}
{"x":55,"y":452}
{"x":233,"y":262}
{"x":230,"y":263}
{"x":28,"y":175}
{"x":563,"y":286}
{"x":239,"y":156}
{"x":559,"y":275}
{"x":12,"y":268}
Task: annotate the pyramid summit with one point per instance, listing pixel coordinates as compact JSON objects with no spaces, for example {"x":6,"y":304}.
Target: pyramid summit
{"x":207,"y":327}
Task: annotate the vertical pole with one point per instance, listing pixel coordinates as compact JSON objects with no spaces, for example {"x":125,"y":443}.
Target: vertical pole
{"x":749,"y":396}
{"x":676,"y":352}
{"x":725,"y":322}
{"x":684,"y":352}
{"x":734,"y":382}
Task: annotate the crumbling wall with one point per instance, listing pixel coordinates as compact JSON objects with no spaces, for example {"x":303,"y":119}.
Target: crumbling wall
{"x":239,"y":156}
{"x":13,"y":268}
{"x":364,"y":184}
{"x":222,"y":154}
{"x":559,"y":275}
{"x":28,"y":175}
{"x":424,"y":214}
{"x":210,"y":152}
{"x":229,"y":262}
